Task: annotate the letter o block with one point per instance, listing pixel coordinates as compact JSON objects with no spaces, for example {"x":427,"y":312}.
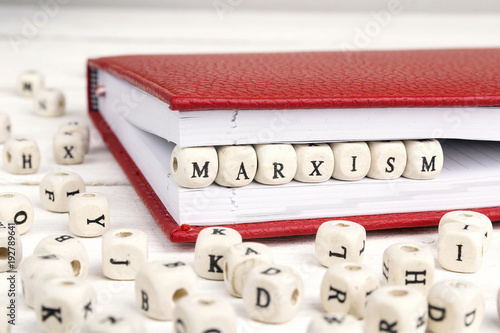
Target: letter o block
{"x":17,"y":208}
{"x":455,"y":306}
{"x":352,"y":160}
{"x":396,"y":309}
{"x":424,"y":159}
{"x":345,"y":288}
{"x":89,"y":214}
{"x":388,"y":159}
{"x":409,"y":264}
{"x":21,"y":156}
{"x":472,"y":218}
{"x":460,"y":247}
{"x":210,"y":251}
{"x":194,"y":167}
{"x":56,"y":189}
{"x":335,"y":323}
{"x":340,"y":241}
{"x":201,"y":313}
{"x":159,"y":285}
{"x":237,"y":165}
{"x":273,"y":293}
{"x":314,"y":162}
{"x":124,"y":251}
{"x":277,"y":163}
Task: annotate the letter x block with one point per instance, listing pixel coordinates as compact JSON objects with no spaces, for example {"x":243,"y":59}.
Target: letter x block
{"x":194,"y":167}
{"x":69,"y":148}
{"x":314,"y":162}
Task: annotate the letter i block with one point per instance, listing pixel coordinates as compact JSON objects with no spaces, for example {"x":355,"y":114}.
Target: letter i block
{"x":89,"y":214}
{"x":394,"y":309}
{"x":159,"y":285}
{"x":340,"y":241}
{"x":424,"y":159}
{"x":409,"y":264}
{"x":352,"y":160}
{"x":194,"y":167}
{"x":455,"y":306}
{"x":460,"y":247}
{"x":124,"y":251}
{"x":272,"y":293}
{"x":314,"y":162}
{"x":56,"y":189}
{"x":472,"y":218}
{"x":277,"y":163}
{"x":237,"y":165}
{"x":210,"y":251}
{"x":346,"y":287}
{"x":21,"y":156}
{"x":335,"y":323}
{"x":388,"y":159}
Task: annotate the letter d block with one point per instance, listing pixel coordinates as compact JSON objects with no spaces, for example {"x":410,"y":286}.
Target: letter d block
{"x":210,"y":251}
{"x":460,"y":247}
{"x":455,"y":306}
{"x":56,"y":189}
{"x":277,"y":163}
{"x":424,"y":159}
{"x":21,"y":156}
{"x":160,"y":284}
{"x":340,"y":241}
{"x":396,"y":309}
{"x":273,"y":293}
{"x":124,"y":251}
{"x":409,"y":264}
{"x":194,"y":167}
{"x":89,"y":214}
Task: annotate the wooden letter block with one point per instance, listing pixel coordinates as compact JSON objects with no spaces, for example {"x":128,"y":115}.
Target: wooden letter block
{"x":472,"y":218}
{"x":21,"y":156}
{"x":89,"y":214}
{"x":5,"y":129}
{"x":240,"y":259}
{"x":50,"y":103}
{"x":335,"y":323}
{"x":69,"y":148}
{"x":68,"y":248}
{"x":201,"y":313}
{"x":29,"y":84}
{"x":352,"y":160}
{"x":35,"y":270}
{"x":345,"y":288}
{"x":340,"y":241}
{"x":460,"y":247}
{"x":64,"y":305}
{"x":314,"y":162}
{"x":56,"y":189}
{"x":17,"y":208}
{"x":409,"y":264}
{"x":124,"y":251}
{"x":115,"y":322}
{"x":388,"y":159}
{"x":277,"y":163}
{"x":396,"y":309}
{"x":237,"y":165}
{"x":273,"y":293}
{"x":424,"y":159}
{"x":159,"y":285}
{"x":11,"y":248}
{"x":210,"y":251}
{"x":78,"y":127}
{"x":194,"y":167}
{"x":455,"y":306}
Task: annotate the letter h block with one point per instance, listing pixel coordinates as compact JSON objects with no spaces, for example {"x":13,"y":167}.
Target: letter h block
{"x":21,"y":156}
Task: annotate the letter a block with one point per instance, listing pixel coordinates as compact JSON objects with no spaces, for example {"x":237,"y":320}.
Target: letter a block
{"x":340,"y":241}
{"x":237,"y":165}
{"x":394,"y":309}
{"x":460,"y":247}
{"x":273,"y":293}
{"x":210,"y":251}
{"x":21,"y":156}
{"x":455,"y":306}
{"x":194,"y":167}
{"x":388,"y":159}
{"x":424,"y":159}
{"x":277,"y":163}
{"x":314,"y":162}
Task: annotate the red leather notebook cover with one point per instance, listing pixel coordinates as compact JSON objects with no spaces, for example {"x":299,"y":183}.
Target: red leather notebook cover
{"x":424,"y":78}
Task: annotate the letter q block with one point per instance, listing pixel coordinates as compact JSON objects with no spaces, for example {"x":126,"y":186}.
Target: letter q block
{"x":194,"y":167}
{"x":89,"y":214}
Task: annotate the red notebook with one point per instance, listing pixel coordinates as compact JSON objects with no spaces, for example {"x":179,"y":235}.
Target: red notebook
{"x":310,"y":80}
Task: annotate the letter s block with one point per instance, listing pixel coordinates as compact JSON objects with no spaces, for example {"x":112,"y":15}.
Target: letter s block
{"x":388,"y":159}
{"x":272,"y":293}
{"x":21,"y":156}
{"x":194,"y":167}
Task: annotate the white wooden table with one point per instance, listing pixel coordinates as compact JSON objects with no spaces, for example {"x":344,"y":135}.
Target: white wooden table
{"x":59,"y":44}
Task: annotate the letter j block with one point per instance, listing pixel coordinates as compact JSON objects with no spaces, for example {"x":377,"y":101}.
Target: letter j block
{"x":194,"y":167}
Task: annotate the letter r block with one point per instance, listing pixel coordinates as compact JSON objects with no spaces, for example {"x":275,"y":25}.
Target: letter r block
{"x":277,"y":163}
{"x":194,"y":167}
